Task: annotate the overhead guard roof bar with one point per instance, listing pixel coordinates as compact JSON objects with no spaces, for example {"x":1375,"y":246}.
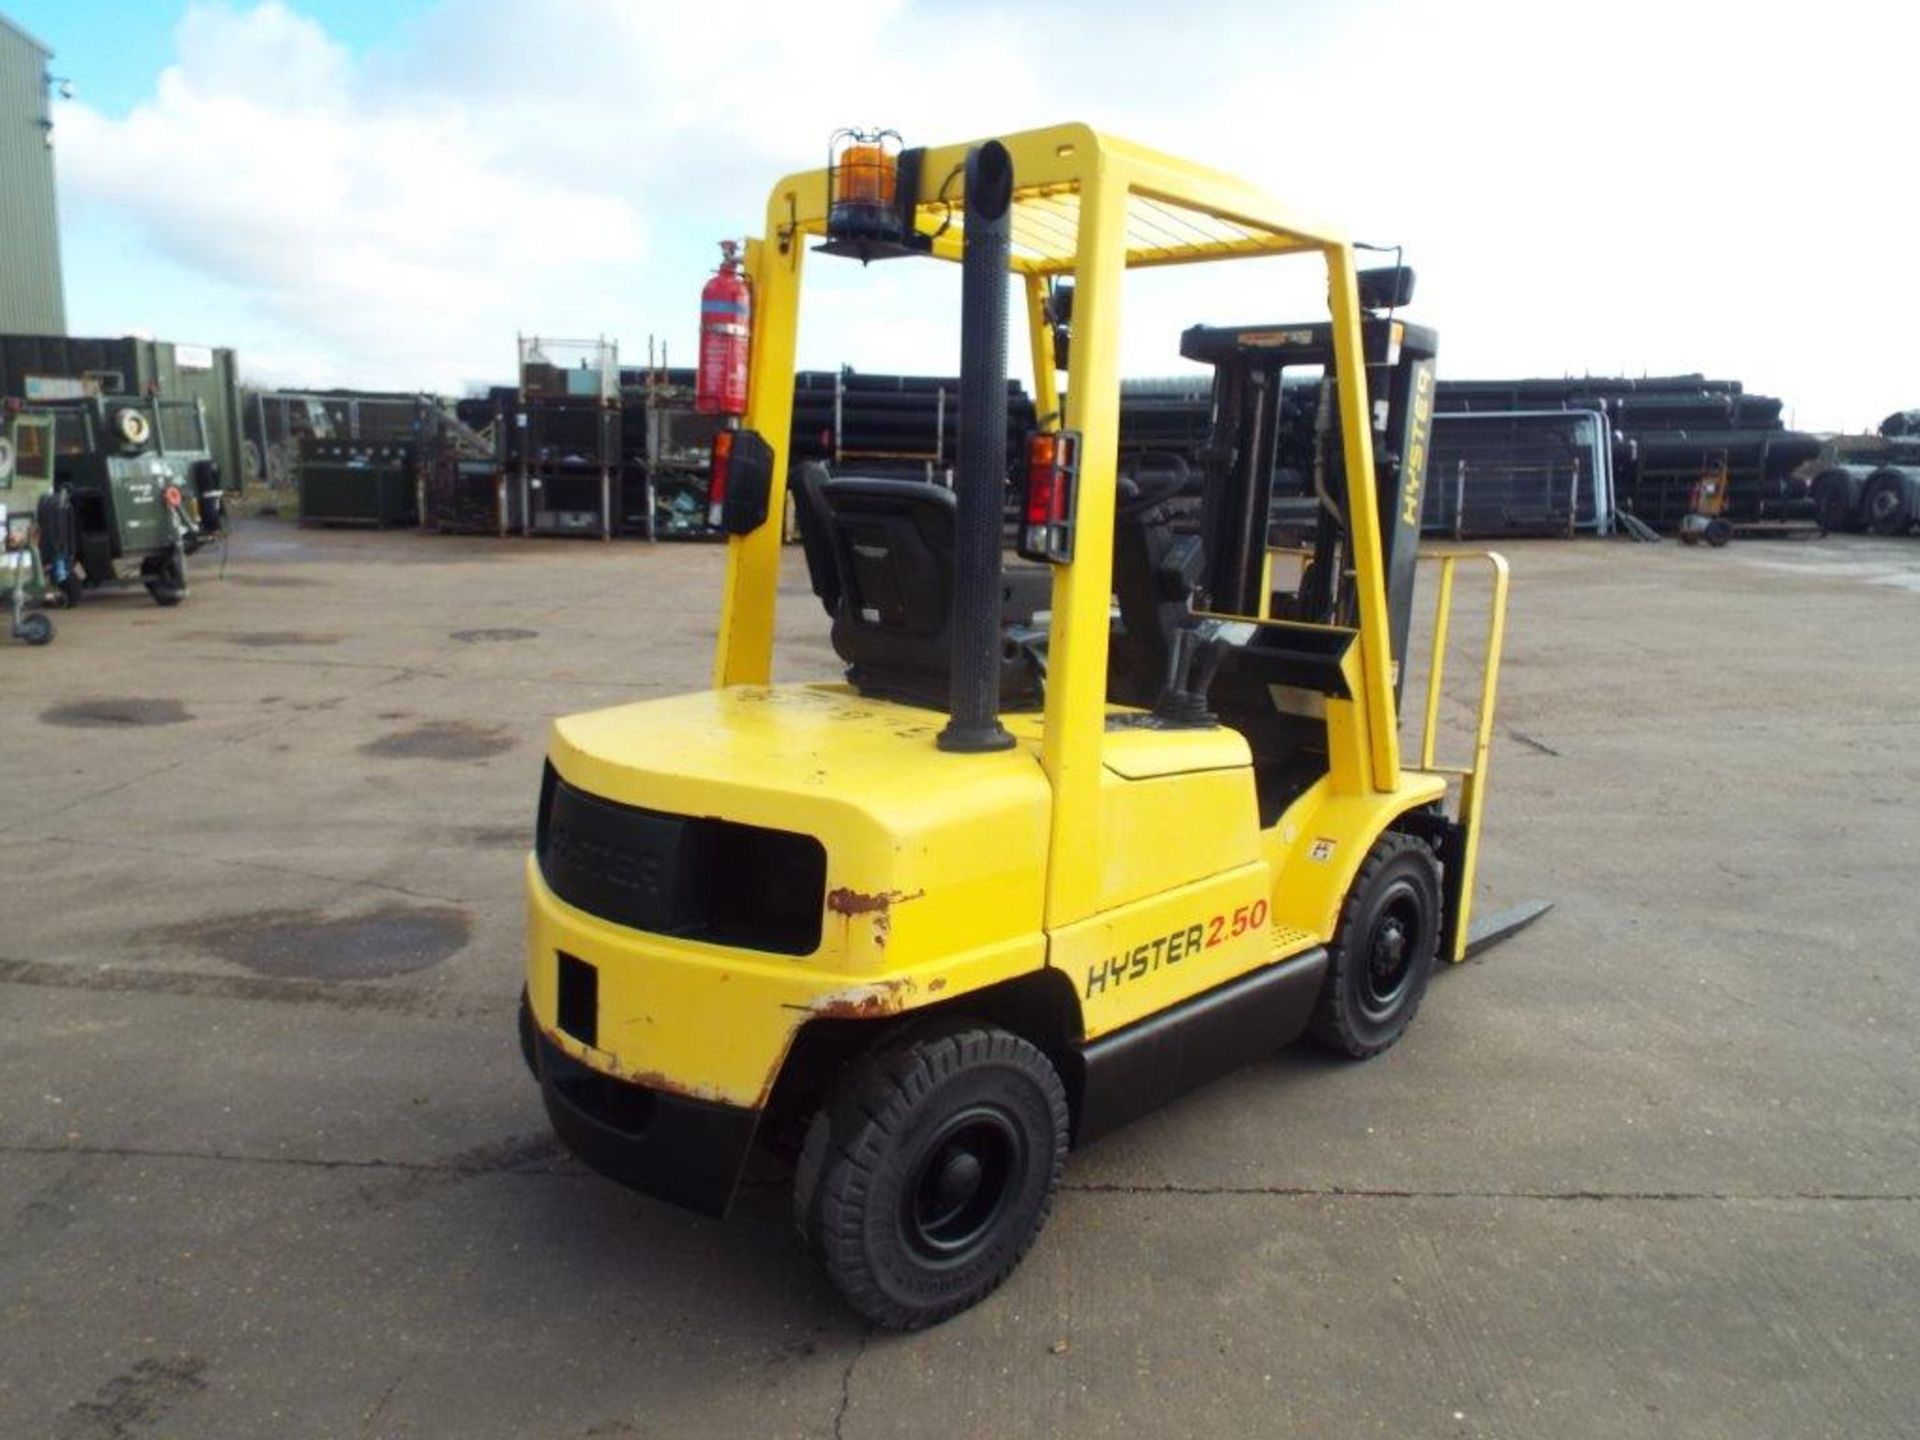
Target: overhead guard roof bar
{"x":1176,"y":213}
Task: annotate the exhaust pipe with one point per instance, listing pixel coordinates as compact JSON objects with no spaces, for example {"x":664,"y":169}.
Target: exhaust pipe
{"x":980,"y":476}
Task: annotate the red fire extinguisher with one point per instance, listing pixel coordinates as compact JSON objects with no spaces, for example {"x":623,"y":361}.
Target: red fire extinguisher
{"x":726,"y":323}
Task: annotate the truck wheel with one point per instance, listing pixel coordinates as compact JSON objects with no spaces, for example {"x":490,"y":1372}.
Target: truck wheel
{"x":167,"y":584}
{"x":1383,"y":950}
{"x":1887,"y":507}
{"x":930,"y":1170}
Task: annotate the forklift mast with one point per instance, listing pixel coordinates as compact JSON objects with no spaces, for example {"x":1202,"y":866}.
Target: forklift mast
{"x":1274,"y":461}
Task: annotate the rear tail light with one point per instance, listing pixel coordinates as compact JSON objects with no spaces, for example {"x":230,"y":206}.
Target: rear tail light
{"x":717,"y":481}
{"x":1053,"y":478}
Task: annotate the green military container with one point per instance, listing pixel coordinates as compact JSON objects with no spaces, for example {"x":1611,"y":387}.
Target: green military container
{"x":358,"y":482}
{"x":54,"y":367}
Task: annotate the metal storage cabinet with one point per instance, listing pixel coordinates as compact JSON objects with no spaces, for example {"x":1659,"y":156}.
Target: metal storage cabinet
{"x":348,"y":483}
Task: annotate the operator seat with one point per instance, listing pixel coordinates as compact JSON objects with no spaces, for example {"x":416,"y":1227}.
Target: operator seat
{"x":1154,"y":572}
{"x":880,"y":557}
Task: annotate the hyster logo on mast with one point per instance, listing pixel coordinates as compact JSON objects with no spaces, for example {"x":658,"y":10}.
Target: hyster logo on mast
{"x":1417,"y":444}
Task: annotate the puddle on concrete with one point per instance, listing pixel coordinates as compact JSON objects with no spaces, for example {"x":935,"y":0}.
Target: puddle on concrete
{"x":303,"y":944}
{"x":483,"y":637}
{"x":442,"y":740}
{"x":265,"y":639}
{"x":272,"y":582}
{"x":115,"y":714}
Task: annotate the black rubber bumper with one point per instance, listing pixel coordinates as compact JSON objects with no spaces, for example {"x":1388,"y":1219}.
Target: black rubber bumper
{"x":673,"y":1147}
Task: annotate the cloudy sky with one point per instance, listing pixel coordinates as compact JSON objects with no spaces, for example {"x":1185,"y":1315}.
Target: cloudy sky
{"x":383,"y":192}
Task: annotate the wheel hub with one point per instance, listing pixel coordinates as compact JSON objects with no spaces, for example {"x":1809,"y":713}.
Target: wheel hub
{"x":1390,"y":955}
{"x":957,"y":1191}
{"x":957,"y":1178}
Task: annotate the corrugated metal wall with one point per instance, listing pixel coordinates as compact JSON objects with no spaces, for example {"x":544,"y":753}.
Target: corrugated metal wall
{"x":31,"y":299}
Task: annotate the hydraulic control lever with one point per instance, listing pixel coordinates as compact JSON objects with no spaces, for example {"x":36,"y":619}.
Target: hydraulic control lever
{"x":1198,"y":648}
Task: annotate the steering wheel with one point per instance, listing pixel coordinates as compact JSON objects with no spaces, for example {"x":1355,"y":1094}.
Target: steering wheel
{"x":1156,"y":478}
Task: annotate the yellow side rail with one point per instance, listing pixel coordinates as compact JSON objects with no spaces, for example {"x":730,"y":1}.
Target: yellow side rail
{"x":1472,"y":776}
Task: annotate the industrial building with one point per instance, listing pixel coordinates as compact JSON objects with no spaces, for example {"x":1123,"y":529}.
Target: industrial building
{"x":32,"y":300}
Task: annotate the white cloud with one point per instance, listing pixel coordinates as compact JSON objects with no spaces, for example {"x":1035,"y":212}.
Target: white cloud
{"x":1639,"y":187}
{"x":377,"y":236}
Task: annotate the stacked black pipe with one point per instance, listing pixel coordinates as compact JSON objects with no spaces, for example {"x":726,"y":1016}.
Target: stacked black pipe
{"x":1669,"y":430}
{"x":904,"y":426}
{"x":1165,"y":417}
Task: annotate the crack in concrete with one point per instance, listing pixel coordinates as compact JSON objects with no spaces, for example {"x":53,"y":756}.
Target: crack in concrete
{"x":510,"y":1166}
{"x":336,"y":994}
{"x":1361,"y":1192}
{"x":1533,"y":744}
{"x":227,"y":863}
{"x":507,"y":1165}
{"x":846,"y":1384}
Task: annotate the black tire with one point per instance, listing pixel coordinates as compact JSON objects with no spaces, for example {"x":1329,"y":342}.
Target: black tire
{"x":167,"y":583}
{"x":525,"y":1027}
{"x":1885,"y":504}
{"x":930,"y":1171}
{"x":36,"y":629}
{"x":1836,"y":501}
{"x":1719,"y":532}
{"x":1383,"y":950}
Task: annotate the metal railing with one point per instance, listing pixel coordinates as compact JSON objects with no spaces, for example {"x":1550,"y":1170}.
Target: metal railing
{"x":1472,"y":777}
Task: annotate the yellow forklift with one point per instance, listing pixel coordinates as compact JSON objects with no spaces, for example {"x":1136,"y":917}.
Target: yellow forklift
{"x":1072,"y":836}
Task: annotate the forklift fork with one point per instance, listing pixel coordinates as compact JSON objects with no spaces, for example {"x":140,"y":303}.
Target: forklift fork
{"x":1459,"y":839}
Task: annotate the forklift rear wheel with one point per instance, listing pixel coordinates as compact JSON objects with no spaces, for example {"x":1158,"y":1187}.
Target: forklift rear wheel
{"x":36,"y":629}
{"x":1382,"y":954}
{"x":1719,"y":532}
{"x":930,"y":1170}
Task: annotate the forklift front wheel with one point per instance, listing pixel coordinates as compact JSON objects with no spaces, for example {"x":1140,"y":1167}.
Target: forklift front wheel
{"x":1382,"y":954}
{"x":930,"y":1171}
{"x":36,"y":629}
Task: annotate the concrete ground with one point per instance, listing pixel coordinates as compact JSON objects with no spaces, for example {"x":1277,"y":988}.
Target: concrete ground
{"x":270,"y":1164}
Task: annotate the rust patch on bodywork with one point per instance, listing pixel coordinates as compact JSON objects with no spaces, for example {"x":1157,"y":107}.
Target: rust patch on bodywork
{"x":847,"y":903}
{"x":608,"y":1062}
{"x":655,"y":1080}
{"x":865,"y":1002}
{"x":857,"y":902}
